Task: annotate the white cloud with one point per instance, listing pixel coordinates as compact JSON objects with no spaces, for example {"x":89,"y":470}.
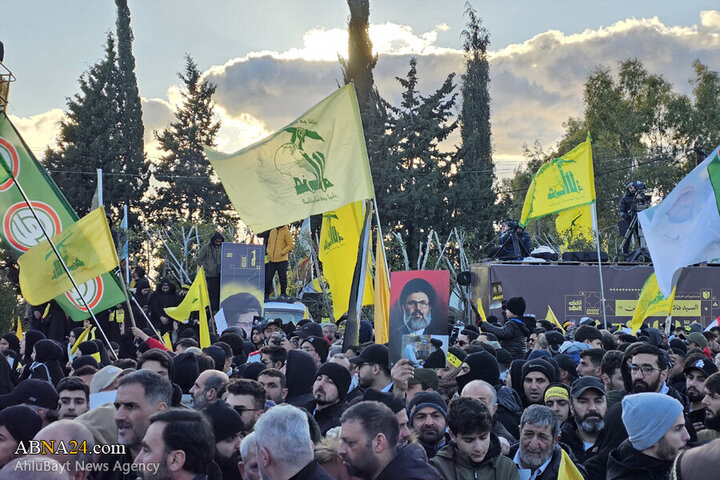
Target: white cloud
{"x":39,"y":131}
{"x":710,"y":19}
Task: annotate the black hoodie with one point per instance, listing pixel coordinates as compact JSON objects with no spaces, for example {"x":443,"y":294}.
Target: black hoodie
{"x":300,"y":373}
{"x":513,"y":335}
{"x":627,"y":463}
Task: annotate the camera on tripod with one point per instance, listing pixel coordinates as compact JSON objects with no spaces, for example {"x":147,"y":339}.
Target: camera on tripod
{"x":640,"y":200}
{"x":510,"y":225}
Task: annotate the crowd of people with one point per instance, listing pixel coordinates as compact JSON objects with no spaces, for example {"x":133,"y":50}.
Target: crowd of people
{"x":512,"y":398}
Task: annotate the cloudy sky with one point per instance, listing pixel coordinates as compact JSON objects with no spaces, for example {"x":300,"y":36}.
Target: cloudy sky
{"x":273,"y":59}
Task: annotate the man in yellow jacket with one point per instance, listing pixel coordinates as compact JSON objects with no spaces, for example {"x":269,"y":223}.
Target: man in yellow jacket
{"x":278,"y":247}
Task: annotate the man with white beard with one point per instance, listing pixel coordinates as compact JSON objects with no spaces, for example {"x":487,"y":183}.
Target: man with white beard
{"x":588,"y":405}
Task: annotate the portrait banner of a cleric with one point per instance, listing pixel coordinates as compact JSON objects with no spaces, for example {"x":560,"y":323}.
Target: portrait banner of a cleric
{"x":419,"y":300}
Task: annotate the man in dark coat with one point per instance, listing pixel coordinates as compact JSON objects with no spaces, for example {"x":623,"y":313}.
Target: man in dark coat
{"x":209,"y":257}
{"x":332,"y":382}
{"x":370,"y":430}
{"x":656,"y":428}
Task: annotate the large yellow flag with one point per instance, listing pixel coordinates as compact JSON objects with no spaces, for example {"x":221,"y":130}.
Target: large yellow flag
{"x":196,"y":300}
{"x":651,"y":302}
{"x":382,"y":294}
{"x":316,"y":164}
{"x":567,"y":469}
{"x":338,"y":251}
{"x":86,"y":247}
{"x":563,"y":183}
{"x":574,"y":224}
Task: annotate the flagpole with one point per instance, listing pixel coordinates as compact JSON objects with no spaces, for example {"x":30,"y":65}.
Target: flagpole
{"x":62,"y":261}
{"x":127,"y":241}
{"x":146,"y":318}
{"x":100,"y":187}
{"x":127,"y":300}
{"x":355,"y":308}
{"x":593,"y":212}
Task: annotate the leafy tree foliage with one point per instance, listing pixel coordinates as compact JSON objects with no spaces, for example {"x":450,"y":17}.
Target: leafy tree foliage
{"x":190,"y":188}
{"x":473,"y":195}
{"x":641,"y":129}
{"x":413,"y":193}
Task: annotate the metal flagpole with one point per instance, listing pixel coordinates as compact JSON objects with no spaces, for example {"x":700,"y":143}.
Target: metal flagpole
{"x":127,"y":242}
{"x":593,"y":212}
{"x":62,"y":261}
{"x":146,"y":318}
{"x":100,"y":187}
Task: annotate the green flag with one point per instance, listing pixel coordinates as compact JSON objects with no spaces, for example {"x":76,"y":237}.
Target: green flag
{"x":20,"y":230}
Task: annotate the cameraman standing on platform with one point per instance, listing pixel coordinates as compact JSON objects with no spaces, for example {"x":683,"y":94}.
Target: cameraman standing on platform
{"x":628,"y":209}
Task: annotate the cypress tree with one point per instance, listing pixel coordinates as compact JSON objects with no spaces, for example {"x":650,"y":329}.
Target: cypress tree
{"x":474,"y":195}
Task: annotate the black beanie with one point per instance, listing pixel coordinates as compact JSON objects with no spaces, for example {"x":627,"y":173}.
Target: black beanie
{"x":186,"y":370}
{"x":320,"y":346}
{"x":21,"y":421}
{"x":88,"y":347}
{"x":339,"y":375}
{"x":225,"y":420}
{"x":217,"y":354}
{"x":391,"y":401}
{"x":516,"y":305}
{"x":83,"y":360}
{"x":539,"y":365}
{"x":252,"y":370}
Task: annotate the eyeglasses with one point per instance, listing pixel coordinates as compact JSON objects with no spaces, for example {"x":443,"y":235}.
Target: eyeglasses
{"x":413,"y":304}
{"x":307,"y":349}
{"x":644,"y":369}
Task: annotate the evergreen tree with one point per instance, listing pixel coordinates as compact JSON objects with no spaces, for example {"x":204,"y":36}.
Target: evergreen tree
{"x":190,"y":190}
{"x":413,"y":192}
{"x":130,"y":189}
{"x":474,"y":197}
{"x":89,"y":137}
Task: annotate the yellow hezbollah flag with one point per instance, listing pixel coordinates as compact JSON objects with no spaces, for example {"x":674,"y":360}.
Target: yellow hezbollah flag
{"x":86,"y":247}
{"x":574,"y":224}
{"x":382,"y":294}
{"x":651,"y":302}
{"x":563,"y":183}
{"x":339,"y":237}
{"x":567,"y":469}
{"x":481,"y":310}
{"x":196,"y":300}
{"x":550,"y":315}
{"x":167,"y":341}
{"x":316,"y":164}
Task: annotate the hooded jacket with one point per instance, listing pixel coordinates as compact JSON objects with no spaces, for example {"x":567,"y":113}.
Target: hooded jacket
{"x":158,"y":301}
{"x":456,"y":465}
{"x":280,"y":244}
{"x":300,"y":373}
{"x":512,"y":336}
{"x":407,"y":466}
{"x":509,"y":410}
{"x":627,"y":463}
{"x":209,"y":256}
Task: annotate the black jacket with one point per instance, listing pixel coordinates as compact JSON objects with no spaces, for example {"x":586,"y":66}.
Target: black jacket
{"x":551,"y":472}
{"x":406,"y":466}
{"x":311,"y":471}
{"x":626,"y":463}
{"x":329,"y":417}
{"x":512,"y":336}
{"x":570,"y":437}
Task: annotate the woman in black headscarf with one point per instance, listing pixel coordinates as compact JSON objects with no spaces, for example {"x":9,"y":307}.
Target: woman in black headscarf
{"x":9,"y":341}
{"x":29,"y":340}
{"x":46,"y":364}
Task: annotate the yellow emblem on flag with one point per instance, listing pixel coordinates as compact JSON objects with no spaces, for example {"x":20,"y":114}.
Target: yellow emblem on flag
{"x":563,"y":183}
{"x":86,"y":247}
{"x":574,"y":224}
{"x":316,"y":164}
{"x":196,"y":300}
{"x":339,"y":237}
{"x":651,"y":302}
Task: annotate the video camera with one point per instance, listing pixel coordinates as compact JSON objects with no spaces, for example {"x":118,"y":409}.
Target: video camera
{"x":640,"y":199}
{"x":510,"y":225}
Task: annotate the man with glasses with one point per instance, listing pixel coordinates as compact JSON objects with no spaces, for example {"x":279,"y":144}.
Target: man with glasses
{"x":247,"y":397}
{"x":317,"y":347}
{"x":413,"y":314}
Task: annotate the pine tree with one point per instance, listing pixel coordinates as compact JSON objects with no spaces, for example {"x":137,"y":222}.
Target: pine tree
{"x":130,"y":189}
{"x":474,"y":196}
{"x":89,"y":136}
{"x":190,"y":188}
{"x":413,"y":192}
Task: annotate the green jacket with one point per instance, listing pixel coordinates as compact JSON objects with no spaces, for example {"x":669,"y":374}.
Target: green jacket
{"x":455,"y":465}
